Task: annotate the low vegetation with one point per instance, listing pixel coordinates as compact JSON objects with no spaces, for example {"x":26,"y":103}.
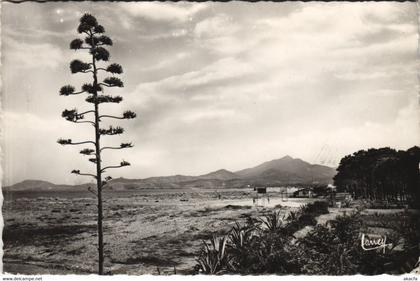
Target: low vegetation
{"x":260,"y":246}
{"x":335,"y":248}
{"x":267,"y":245}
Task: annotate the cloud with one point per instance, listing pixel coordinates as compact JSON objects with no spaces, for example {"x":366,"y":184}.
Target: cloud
{"x":401,"y":133}
{"x":277,"y":69}
{"x":31,"y":148}
{"x":210,"y":81}
{"x":181,"y":11}
{"x":379,"y":36}
{"x":191,"y":84}
{"x":211,"y":114}
{"x":31,"y":55}
{"x":220,"y":25}
{"x":389,"y":13}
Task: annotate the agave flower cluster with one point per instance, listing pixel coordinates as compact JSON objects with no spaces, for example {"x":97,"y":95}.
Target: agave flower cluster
{"x":95,"y":42}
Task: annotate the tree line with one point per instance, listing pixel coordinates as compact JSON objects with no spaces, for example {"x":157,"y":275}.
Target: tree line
{"x":381,"y":174}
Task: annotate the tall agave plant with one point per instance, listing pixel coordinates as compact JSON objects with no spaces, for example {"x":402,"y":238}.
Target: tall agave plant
{"x":273,"y":221}
{"x":213,"y":258}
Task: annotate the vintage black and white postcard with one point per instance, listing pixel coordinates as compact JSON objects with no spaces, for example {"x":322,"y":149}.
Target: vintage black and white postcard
{"x":210,"y":138}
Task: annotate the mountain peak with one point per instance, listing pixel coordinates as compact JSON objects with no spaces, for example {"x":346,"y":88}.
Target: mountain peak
{"x":287,"y":169}
{"x":221,"y":174}
{"x":222,"y":171}
{"x":287,"y":157}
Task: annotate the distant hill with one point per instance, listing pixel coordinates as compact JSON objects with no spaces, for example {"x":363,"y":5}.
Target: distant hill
{"x":220,"y":175}
{"x":40,"y":185}
{"x":286,"y":170}
{"x":29,"y":185}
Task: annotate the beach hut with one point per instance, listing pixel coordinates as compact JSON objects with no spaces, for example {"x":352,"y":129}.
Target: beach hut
{"x":339,"y":199}
{"x":260,"y":189}
{"x":260,"y":197}
{"x":303,"y":193}
{"x":331,"y":188}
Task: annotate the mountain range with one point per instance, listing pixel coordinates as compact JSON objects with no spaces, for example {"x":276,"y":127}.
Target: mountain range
{"x":283,"y":171}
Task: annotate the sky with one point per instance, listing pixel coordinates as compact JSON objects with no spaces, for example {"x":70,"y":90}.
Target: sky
{"x":214,"y":85}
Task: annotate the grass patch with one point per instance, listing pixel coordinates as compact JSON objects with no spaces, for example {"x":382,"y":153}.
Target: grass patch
{"x":38,"y":235}
{"x":150,"y":260}
{"x":236,"y":207}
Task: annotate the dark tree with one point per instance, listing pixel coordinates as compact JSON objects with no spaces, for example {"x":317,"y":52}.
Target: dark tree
{"x":381,"y":174}
{"x":95,"y":42}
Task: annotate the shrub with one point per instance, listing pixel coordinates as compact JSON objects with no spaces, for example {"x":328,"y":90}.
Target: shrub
{"x":266,"y":245}
{"x":305,"y":216}
{"x":260,"y":246}
{"x":335,"y":249}
{"x":315,"y":208}
{"x":213,"y":258}
{"x":273,"y":221}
